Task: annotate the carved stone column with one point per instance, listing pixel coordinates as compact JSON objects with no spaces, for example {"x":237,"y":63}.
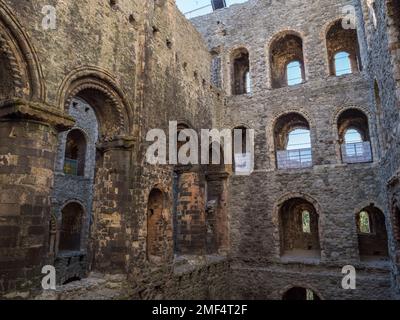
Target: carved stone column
{"x":28,"y":144}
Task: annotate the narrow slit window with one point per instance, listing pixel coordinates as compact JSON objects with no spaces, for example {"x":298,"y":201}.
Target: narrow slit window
{"x":306,"y":221}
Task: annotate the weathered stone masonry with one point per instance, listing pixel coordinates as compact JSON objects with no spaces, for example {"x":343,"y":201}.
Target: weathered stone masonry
{"x":76,"y":191}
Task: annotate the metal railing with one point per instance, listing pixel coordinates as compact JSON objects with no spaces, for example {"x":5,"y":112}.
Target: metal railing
{"x":294,"y":159}
{"x":358,"y":152}
{"x":71,"y":167}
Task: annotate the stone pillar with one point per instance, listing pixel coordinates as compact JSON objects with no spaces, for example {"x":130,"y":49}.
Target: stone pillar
{"x":217,"y":215}
{"x":113,"y":205}
{"x":28,"y":143}
{"x":190,"y":213}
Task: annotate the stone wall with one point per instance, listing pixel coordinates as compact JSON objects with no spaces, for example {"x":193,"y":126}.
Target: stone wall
{"x":337,"y":190}
{"x":140,"y":65}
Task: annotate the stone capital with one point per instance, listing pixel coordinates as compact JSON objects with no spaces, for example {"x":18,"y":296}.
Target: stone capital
{"x":22,"y":109}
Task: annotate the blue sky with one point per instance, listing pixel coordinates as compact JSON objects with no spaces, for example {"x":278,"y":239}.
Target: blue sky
{"x":189,"y":5}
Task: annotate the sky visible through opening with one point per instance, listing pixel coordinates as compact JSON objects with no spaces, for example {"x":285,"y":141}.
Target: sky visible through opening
{"x":204,"y":6}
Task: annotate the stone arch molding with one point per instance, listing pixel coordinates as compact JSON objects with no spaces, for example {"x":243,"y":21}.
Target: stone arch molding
{"x":275,"y":217}
{"x":116,"y":120}
{"x":342,"y":109}
{"x":23,"y":63}
{"x":271,"y":124}
{"x":293,"y":195}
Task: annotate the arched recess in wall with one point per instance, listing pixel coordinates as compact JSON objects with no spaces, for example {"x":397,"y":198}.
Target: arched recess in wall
{"x":286,"y":60}
{"x":292,"y":138}
{"x":343,"y":50}
{"x":159,"y":227}
{"x":100,"y":90}
{"x":300,"y":293}
{"x":372,"y":234}
{"x":72,"y":216}
{"x":299,"y":229}
{"x":75,"y":153}
{"x":354,"y":136}
{"x":20,"y":72}
{"x":240,"y":73}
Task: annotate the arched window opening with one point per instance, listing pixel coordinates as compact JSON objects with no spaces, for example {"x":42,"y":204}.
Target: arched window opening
{"x":71,"y":227}
{"x":159,"y":229}
{"x":298,"y":293}
{"x":75,"y":153}
{"x":343,"y":50}
{"x":372,"y":234}
{"x":299,"y":231}
{"x":241,"y":83}
{"x":287,"y":61}
{"x":354,"y":137}
{"x":293,"y":142}
{"x":294,"y":73}
{"x":342,"y":64}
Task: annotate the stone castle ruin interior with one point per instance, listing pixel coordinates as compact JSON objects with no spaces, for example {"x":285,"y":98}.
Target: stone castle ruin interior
{"x":76,"y":191}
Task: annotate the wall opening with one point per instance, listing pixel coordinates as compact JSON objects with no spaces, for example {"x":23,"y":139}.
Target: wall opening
{"x":159,"y":228}
{"x":293,"y":142}
{"x":287,"y":61}
{"x":75,"y":153}
{"x":240,"y":72}
{"x":372,"y":235}
{"x":343,"y":50}
{"x":71,"y":227}
{"x":354,"y":137}
{"x":241,"y":157}
{"x":299,"y":230}
{"x":298,"y":293}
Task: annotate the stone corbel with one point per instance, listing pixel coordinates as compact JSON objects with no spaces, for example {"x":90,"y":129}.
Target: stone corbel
{"x":22,"y":109}
{"x":118,"y":143}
